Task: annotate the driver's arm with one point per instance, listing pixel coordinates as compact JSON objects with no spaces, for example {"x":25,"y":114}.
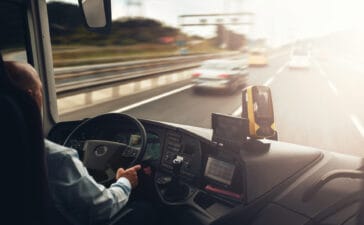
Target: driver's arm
{"x":76,"y":194}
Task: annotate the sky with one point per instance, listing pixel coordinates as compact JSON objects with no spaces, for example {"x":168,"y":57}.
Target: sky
{"x":279,"y":21}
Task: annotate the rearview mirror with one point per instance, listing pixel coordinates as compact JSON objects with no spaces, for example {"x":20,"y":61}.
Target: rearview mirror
{"x":96,"y":14}
{"x":257,"y":107}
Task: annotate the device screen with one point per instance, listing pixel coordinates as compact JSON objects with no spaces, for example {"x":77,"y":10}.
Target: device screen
{"x":219,"y":170}
{"x":262,"y":104}
{"x":228,"y":128}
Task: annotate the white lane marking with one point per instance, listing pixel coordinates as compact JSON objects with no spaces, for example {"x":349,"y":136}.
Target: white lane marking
{"x":280,"y":70}
{"x":357,"y":124}
{"x":132,"y":106}
{"x":333,"y":88}
{"x":269,"y":81}
{"x":319,"y":67}
{"x":237,"y":112}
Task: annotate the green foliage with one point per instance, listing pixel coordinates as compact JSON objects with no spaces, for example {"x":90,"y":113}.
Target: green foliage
{"x":67,"y":28}
{"x":129,"y":39}
{"x":232,"y":40}
{"x":63,"y":18}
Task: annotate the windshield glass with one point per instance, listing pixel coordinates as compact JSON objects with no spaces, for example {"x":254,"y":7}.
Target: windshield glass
{"x":147,"y":65}
{"x":299,"y":52}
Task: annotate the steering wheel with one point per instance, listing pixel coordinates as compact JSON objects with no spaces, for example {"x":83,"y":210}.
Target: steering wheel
{"x":104,"y":156}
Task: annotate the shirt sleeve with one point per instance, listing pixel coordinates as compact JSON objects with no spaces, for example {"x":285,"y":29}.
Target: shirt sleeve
{"x":77,"y":195}
{"x":123,"y":184}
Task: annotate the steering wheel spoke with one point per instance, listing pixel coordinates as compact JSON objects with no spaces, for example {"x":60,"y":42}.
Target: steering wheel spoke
{"x":130,"y":152}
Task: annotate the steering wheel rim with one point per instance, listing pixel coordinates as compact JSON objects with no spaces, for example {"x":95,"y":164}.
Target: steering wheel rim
{"x":116,"y":147}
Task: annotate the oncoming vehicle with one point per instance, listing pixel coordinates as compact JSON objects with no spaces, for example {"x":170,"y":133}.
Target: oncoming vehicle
{"x":119,"y":96}
{"x":225,"y":75}
{"x":300,"y":59}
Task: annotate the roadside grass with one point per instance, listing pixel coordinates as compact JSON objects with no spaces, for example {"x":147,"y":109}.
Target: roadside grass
{"x":73,"y":55}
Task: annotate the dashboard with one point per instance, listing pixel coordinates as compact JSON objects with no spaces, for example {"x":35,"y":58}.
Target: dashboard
{"x":218,"y":186}
{"x":203,"y":168}
{"x":186,"y":148}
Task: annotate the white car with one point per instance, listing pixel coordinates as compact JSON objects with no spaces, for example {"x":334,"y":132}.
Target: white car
{"x":300,"y":59}
{"x":221,"y":74}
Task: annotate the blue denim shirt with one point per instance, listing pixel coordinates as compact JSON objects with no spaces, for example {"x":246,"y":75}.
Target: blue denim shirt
{"x":76,"y":194}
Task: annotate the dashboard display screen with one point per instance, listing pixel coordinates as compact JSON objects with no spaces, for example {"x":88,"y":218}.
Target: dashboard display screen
{"x":219,"y":170}
{"x":228,"y":128}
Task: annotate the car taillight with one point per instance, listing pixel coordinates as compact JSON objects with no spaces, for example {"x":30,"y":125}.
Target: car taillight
{"x":196,"y":75}
{"x":223,"y":76}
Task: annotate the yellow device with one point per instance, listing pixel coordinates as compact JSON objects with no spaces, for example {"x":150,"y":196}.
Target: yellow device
{"x":257,"y":107}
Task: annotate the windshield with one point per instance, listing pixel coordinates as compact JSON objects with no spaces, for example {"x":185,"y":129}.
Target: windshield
{"x":299,"y":52}
{"x":146,"y":65}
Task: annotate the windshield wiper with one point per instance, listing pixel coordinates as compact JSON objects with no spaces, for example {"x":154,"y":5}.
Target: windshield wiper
{"x":332,"y":175}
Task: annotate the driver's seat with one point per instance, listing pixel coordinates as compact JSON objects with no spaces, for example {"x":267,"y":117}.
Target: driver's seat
{"x":23,"y":164}
{"x":23,"y":171}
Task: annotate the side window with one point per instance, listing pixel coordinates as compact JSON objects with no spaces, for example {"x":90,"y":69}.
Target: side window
{"x":13,"y":36}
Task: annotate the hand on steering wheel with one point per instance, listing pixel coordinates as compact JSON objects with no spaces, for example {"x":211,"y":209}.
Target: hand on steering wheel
{"x":130,"y":174}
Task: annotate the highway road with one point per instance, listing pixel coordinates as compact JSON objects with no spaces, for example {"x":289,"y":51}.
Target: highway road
{"x":320,"y":107}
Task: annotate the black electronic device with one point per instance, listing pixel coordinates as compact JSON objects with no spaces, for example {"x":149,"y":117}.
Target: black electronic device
{"x":229,"y":130}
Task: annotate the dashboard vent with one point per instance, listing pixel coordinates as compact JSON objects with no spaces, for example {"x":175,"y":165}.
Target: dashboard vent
{"x":173,"y":142}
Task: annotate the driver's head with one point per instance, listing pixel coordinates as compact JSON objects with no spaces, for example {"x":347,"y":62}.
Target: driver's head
{"x":26,"y":78}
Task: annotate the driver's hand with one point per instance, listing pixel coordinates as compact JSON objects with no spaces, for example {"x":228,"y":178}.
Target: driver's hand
{"x":130,"y":174}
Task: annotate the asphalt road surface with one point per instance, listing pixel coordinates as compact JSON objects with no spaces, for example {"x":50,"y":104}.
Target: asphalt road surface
{"x":321,"y":106}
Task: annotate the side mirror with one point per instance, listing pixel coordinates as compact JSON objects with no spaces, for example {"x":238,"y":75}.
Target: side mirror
{"x":257,"y":107}
{"x":96,"y":14}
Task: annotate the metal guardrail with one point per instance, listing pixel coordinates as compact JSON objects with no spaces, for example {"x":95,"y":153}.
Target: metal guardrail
{"x":75,"y":69}
{"x":82,"y":72}
{"x":124,"y":72}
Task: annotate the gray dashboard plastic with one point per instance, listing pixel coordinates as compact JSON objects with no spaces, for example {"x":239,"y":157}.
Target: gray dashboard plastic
{"x":265,"y":170}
